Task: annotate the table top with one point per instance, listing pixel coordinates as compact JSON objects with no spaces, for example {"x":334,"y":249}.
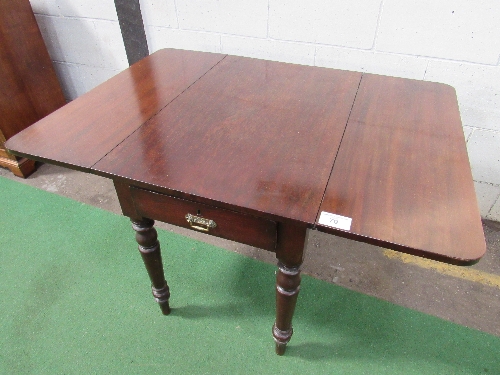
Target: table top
{"x":282,"y":141}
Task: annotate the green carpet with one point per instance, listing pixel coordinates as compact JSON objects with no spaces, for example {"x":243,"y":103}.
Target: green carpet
{"x":75,"y":299}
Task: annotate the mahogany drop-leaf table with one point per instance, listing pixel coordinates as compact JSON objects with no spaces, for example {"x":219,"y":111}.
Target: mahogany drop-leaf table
{"x":260,"y":152}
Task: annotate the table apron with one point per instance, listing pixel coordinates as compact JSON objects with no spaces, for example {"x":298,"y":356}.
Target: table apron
{"x":231,"y":225}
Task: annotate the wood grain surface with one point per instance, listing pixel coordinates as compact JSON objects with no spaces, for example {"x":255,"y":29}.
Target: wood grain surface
{"x":255,"y":134}
{"x":402,"y":173}
{"x":85,"y":130}
{"x":29,"y":87}
{"x":262,"y":137}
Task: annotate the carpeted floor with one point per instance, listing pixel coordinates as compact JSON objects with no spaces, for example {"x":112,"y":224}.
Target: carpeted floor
{"x":75,"y":299}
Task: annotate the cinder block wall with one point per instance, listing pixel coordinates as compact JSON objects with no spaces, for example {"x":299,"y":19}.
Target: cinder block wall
{"x":451,"y":41}
{"x":84,"y":41}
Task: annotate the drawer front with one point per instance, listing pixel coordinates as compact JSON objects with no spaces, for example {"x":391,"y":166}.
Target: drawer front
{"x":215,"y":221}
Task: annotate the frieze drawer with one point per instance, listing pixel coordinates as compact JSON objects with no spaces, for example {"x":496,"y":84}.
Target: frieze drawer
{"x":243,"y":228}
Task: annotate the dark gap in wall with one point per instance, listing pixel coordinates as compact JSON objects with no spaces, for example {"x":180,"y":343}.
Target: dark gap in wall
{"x":132,"y":27}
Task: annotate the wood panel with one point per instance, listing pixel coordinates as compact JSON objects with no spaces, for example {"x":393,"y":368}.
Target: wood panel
{"x":29,"y":86}
{"x":256,"y":134}
{"x":85,"y":130}
{"x":402,"y":173}
{"x":30,"y":89}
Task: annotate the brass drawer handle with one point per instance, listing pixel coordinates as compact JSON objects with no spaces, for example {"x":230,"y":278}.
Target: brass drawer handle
{"x":200,"y":223}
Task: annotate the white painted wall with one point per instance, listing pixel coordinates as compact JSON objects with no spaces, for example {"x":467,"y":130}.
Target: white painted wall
{"x":451,"y":41}
{"x":84,"y":41}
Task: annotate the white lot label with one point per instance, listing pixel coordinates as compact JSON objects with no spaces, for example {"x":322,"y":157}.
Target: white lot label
{"x":335,"y":221}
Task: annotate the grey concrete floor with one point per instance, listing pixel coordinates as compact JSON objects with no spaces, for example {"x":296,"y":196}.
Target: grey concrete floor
{"x":468,"y":296}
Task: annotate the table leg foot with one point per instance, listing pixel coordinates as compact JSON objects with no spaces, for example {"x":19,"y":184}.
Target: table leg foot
{"x":281,"y":338}
{"x":149,"y":247}
{"x":280,"y":348}
{"x":287,"y":290}
{"x":161,"y":296}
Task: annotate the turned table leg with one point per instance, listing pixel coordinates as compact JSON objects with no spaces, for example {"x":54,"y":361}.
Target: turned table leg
{"x":290,"y":252}
{"x":287,"y":291}
{"x":149,"y":248}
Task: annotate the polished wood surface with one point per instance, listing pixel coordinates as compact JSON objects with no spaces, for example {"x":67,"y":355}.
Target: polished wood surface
{"x":29,"y":86}
{"x":99,"y":120}
{"x":402,"y":173}
{"x":262,"y":137}
{"x":255,"y":134}
{"x":265,"y":147}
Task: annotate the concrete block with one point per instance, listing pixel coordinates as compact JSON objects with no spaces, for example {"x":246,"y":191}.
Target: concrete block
{"x":112,"y":53}
{"x":458,"y":30}
{"x":159,"y":13}
{"x":243,"y":17}
{"x":99,"y":9}
{"x":92,"y":76}
{"x":70,"y":79}
{"x":47,"y":7}
{"x":371,"y":62}
{"x":484,"y":155}
{"x":494,"y":213}
{"x":84,"y":41}
{"x":333,"y":22}
{"x":487,"y":195}
{"x":267,"y":49}
{"x":51,"y":27}
{"x":161,"y":37}
{"x":478,"y":90}
{"x":77,"y":79}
